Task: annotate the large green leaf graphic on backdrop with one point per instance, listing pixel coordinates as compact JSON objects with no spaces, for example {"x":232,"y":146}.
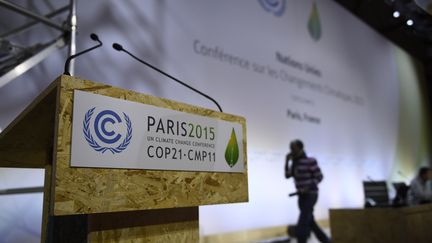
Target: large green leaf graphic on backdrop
{"x":232,"y":150}
{"x":314,"y":23}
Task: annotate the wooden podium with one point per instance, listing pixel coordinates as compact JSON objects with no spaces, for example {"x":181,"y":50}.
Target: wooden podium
{"x":111,"y":205}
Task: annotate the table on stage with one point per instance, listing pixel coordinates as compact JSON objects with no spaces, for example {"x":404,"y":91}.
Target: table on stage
{"x":382,"y":225}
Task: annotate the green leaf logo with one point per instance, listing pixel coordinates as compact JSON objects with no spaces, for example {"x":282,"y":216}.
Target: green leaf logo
{"x":232,"y":150}
{"x":314,"y":24}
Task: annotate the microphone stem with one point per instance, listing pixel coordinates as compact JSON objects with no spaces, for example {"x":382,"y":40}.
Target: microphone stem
{"x":66,"y":68}
{"x":173,"y":78}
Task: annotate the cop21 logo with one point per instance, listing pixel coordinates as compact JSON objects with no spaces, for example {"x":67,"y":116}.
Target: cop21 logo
{"x":108,"y":138}
{"x":277,"y":7}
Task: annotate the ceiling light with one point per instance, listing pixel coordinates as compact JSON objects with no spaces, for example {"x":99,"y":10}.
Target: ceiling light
{"x":396,"y":14}
{"x":410,"y":22}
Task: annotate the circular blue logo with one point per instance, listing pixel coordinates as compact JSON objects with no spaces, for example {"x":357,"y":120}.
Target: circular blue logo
{"x":277,"y":7}
{"x":103,"y":126}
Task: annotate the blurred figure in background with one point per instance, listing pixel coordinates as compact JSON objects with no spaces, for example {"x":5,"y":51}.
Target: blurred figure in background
{"x":420,"y":191}
{"x":307,"y":174}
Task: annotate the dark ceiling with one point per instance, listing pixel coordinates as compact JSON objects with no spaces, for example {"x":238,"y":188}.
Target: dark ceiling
{"x":416,"y":39}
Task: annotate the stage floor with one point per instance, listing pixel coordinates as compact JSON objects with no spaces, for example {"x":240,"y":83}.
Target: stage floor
{"x":313,"y":239}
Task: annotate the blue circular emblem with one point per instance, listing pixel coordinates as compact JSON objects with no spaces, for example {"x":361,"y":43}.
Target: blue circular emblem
{"x":277,"y":7}
{"x":102,"y":127}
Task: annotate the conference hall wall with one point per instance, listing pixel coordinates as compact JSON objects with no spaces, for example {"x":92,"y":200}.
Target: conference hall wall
{"x":296,"y":69}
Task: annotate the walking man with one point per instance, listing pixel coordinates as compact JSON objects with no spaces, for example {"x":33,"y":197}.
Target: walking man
{"x":307,"y":175}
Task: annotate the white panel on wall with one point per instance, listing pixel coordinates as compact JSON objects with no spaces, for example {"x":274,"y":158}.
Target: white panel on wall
{"x":21,"y":214}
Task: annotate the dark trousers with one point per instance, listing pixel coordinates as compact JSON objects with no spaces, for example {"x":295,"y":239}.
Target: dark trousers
{"x":306,"y":222}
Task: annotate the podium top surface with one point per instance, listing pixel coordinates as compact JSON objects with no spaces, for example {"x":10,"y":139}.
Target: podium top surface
{"x":41,"y":137}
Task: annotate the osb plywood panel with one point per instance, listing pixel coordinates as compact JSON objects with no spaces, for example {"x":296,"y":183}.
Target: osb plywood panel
{"x":27,"y":142}
{"x":186,"y":232}
{"x":87,"y":190}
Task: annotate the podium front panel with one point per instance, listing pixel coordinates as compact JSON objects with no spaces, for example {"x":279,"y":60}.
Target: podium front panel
{"x":98,"y":190}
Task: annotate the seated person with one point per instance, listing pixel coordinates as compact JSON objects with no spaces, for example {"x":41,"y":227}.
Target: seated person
{"x":420,"y":191}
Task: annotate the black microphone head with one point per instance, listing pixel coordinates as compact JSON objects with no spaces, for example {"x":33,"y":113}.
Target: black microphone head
{"x":94,"y":37}
{"x":117,"y":46}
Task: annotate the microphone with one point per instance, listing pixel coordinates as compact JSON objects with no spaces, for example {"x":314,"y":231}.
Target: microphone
{"x":402,"y":175}
{"x":119,"y":47}
{"x":94,"y":37}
